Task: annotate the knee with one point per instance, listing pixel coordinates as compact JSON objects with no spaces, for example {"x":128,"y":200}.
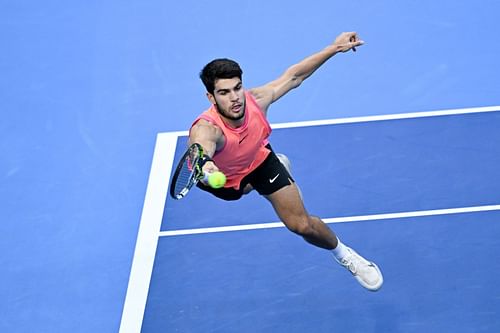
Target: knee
{"x":300,"y":225}
{"x":247,"y":189}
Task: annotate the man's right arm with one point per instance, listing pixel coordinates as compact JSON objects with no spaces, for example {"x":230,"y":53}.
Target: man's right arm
{"x":210,"y":137}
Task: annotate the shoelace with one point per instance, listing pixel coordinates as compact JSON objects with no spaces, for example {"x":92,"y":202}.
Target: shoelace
{"x":349,"y":264}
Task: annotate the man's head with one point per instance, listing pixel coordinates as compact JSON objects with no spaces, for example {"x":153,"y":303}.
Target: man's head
{"x":222,"y":79}
{"x":219,"y":69}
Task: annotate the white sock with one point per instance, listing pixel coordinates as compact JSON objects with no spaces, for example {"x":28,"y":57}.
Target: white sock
{"x":340,"y":251}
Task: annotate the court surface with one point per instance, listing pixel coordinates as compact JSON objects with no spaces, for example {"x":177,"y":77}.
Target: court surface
{"x":92,"y":94}
{"x":417,"y":193}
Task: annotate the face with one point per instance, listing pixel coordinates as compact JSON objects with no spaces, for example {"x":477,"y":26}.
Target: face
{"x":229,"y":98}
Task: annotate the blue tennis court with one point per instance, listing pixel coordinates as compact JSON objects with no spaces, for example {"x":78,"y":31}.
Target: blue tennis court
{"x":408,"y":191}
{"x":395,"y":146}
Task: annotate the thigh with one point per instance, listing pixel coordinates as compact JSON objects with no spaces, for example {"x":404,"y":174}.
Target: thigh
{"x":288,"y":204}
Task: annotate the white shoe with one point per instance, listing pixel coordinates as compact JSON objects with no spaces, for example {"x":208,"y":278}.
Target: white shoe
{"x":366,"y":272}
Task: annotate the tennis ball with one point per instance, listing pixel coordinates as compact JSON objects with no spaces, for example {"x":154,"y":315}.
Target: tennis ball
{"x":217,"y":179}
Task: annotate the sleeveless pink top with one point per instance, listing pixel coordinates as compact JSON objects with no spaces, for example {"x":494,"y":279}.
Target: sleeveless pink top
{"x":244,"y":149}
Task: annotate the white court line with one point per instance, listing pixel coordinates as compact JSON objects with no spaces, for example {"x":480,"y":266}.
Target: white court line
{"x":411,"y":115}
{"x":147,"y":238}
{"x":432,"y":212}
{"x":352,"y":120}
{"x":156,"y":194}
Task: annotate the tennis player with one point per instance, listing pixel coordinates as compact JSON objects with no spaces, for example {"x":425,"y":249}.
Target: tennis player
{"x":234,"y":134}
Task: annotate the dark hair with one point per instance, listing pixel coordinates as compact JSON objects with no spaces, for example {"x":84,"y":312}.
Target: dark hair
{"x":219,"y":69}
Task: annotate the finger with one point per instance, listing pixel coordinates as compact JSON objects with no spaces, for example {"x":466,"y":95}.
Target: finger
{"x":352,"y":40}
{"x":209,"y":167}
{"x":356,"y":44}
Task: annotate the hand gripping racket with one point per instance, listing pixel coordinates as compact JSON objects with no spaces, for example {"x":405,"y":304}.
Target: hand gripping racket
{"x":188,"y":171}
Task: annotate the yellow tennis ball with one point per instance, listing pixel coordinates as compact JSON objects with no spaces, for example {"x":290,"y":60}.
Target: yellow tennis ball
{"x":217,"y":179}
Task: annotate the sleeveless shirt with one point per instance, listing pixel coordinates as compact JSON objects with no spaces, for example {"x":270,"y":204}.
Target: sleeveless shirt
{"x":244,"y":149}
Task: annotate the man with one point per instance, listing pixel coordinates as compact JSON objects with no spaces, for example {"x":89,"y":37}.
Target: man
{"x":234,"y":135}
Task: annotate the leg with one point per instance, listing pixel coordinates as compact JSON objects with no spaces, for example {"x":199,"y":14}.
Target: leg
{"x":288,"y":205}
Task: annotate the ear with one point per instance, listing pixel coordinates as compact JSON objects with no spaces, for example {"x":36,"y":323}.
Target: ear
{"x":211,"y":98}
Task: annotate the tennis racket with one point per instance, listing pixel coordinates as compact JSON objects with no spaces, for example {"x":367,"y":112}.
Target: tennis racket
{"x":188,"y":172}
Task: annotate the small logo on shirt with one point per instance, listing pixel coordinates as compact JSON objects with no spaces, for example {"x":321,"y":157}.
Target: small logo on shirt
{"x":271,"y":180}
{"x":241,"y":140}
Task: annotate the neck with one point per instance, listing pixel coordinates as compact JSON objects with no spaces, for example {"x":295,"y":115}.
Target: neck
{"x":233,"y":123}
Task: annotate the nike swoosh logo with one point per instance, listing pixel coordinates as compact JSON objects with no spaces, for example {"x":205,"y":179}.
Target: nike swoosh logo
{"x":243,"y":139}
{"x":271,"y":180}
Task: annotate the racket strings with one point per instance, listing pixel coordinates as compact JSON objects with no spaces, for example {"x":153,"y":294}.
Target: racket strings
{"x":186,"y":176}
{"x":189,"y":172}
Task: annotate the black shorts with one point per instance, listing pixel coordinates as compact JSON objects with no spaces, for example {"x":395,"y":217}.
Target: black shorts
{"x":269,"y":177}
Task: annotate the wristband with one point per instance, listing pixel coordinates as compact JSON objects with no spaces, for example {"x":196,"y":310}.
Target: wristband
{"x":205,"y":158}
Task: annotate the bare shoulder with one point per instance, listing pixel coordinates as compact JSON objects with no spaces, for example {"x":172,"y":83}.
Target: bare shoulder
{"x":263,"y":96}
{"x":210,"y":136}
{"x":206,"y":129}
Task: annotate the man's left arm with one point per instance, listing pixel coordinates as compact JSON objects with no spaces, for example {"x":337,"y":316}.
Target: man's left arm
{"x":296,"y":74}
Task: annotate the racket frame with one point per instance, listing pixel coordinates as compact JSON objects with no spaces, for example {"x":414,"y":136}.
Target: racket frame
{"x":197,"y":173}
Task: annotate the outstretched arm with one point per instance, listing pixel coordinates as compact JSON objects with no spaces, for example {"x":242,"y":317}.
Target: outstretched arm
{"x":296,"y":74}
{"x":210,"y":137}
